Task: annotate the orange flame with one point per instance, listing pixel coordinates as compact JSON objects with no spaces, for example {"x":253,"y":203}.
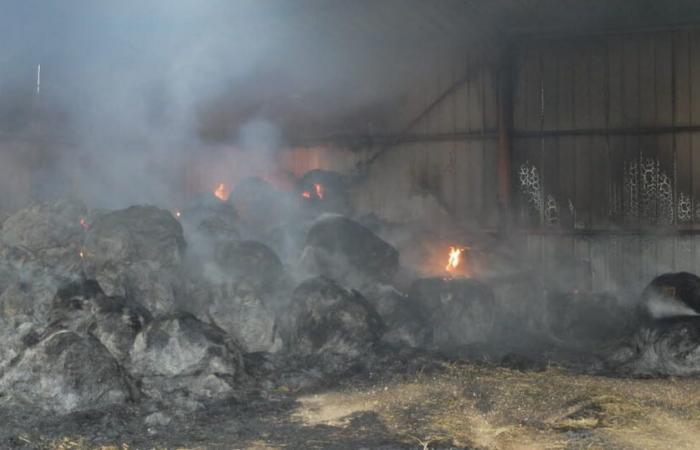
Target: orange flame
{"x":221,"y":192}
{"x":319,"y":190}
{"x":84,"y":224}
{"x":454,"y":259}
{"x":306,"y":194}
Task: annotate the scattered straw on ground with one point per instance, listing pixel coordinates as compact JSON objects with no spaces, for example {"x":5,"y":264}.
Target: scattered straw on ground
{"x":497,"y":408}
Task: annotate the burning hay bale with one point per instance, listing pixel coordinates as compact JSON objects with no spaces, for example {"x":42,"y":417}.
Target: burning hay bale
{"x":324,"y":191}
{"x":460,"y":311}
{"x":405,"y":325}
{"x":344,"y":250}
{"x":83,"y":307}
{"x":178,"y":355}
{"x":136,"y":252}
{"x":325,"y":318}
{"x":672,"y":294}
{"x":65,"y":372}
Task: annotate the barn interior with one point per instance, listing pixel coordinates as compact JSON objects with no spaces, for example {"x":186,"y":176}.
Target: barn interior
{"x":394,"y":224}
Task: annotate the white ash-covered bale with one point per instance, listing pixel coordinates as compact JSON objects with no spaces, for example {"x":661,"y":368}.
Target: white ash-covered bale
{"x":240,"y":289}
{"x":137,"y":253}
{"x":51,"y":233}
{"x":178,"y":355}
{"x":240,"y":310}
{"x":64,"y":372}
{"x":29,"y":290}
{"x":39,"y":250}
{"x":83,"y":307}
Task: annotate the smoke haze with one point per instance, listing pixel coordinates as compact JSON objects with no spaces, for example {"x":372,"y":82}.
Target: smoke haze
{"x":132,"y":92}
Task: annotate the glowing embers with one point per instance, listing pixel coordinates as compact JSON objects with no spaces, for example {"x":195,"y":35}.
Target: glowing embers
{"x":84,"y":224}
{"x":177,"y":213}
{"x":318,"y":192}
{"x":222,"y":192}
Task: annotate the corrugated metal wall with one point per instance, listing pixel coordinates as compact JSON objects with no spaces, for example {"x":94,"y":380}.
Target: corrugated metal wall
{"x":605,"y":128}
{"x":450,"y":155}
{"x":605,"y":151}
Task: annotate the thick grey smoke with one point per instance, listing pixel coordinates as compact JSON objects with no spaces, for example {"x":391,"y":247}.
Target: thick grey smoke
{"x":132,"y":92}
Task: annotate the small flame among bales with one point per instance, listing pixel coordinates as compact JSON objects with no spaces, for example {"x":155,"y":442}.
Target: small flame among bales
{"x":221,"y":192}
{"x":82,"y":255}
{"x":319,"y":191}
{"x":454,"y":258}
{"x":84,"y":224}
{"x":177,"y":213}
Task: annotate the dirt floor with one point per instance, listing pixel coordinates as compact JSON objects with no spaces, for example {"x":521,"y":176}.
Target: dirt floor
{"x":433,"y":405}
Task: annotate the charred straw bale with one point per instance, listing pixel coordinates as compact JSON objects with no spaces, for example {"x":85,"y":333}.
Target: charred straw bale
{"x":325,"y":318}
{"x":344,"y":250}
